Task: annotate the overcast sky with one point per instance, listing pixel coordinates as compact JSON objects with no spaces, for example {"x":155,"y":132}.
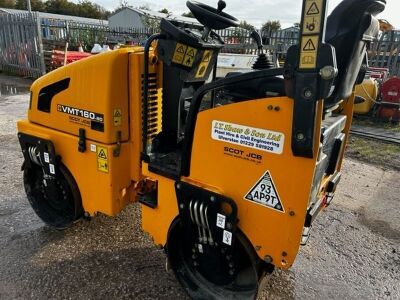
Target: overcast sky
{"x":255,"y":11}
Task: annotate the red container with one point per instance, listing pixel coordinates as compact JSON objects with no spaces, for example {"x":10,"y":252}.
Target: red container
{"x":389,"y":108}
{"x":390,"y":90}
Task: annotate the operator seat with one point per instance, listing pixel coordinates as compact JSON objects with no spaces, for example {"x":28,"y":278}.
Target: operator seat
{"x":351,"y":27}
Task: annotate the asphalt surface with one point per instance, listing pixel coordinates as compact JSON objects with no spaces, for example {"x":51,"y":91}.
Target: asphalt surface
{"x":353,"y":251}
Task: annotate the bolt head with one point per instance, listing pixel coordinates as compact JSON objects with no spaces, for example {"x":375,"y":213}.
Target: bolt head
{"x":178,"y":186}
{"x":300,"y":136}
{"x":268,"y":259}
{"x":212,"y":198}
{"x":328,"y":72}
{"x":307,"y":93}
{"x":181,"y":206}
{"x":291,"y":213}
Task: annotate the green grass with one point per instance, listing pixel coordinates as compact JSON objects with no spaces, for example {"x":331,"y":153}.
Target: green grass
{"x":392,"y":127}
{"x":381,"y":154}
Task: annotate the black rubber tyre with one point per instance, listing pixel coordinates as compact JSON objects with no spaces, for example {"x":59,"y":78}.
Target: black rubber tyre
{"x":59,"y":213}
{"x":208,"y":280}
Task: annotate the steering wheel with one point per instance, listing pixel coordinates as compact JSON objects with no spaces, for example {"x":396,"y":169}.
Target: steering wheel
{"x":211,"y":17}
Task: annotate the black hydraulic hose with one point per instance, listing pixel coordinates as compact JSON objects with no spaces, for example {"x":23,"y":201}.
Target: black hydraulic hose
{"x":214,"y":76}
{"x":146,"y":89}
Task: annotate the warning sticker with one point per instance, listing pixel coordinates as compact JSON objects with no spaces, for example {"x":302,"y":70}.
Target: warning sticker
{"x":264,"y":192}
{"x":311,"y":25}
{"x":102,"y":159}
{"x":205,"y":61}
{"x":46,"y":157}
{"x":117,"y":117}
{"x":313,"y":7}
{"x":227,"y":237}
{"x":251,"y":137}
{"x":221,"y":221}
{"x":189,"y":57}
{"x":52,"y":169}
{"x":309,"y":48}
{"x":179,"y":53}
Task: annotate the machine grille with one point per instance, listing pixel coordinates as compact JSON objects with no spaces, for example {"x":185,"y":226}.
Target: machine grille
{"x":154,"y":119}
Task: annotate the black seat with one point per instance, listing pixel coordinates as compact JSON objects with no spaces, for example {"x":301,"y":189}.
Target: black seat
{"x":351,"y":27}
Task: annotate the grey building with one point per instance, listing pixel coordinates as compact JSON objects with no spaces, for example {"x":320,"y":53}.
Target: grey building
{"x":129,"y":17}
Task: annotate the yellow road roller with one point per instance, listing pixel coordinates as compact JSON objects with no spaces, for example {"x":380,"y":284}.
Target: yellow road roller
{"x":230,"y":172}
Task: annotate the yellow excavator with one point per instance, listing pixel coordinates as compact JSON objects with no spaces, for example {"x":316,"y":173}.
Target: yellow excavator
{"x":230,"y":172}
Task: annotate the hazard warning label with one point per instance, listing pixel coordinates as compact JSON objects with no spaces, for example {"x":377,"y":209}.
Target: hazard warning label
{"x":117,"y":115}
{"x":179,"y":53}
{"x":312,"y":17}
{"x":102,"y":159}
{"x":309,"y":48}
{"x":189,"y":57}
{"x":205,"y":61}
{"x":264,"y":192}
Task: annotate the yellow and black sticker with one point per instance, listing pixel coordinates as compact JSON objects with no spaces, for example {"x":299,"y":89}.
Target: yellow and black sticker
{"x":179,"y":53}
{"x":312,"y":17}
{"x":309,"y":49}
{"x":117,"y":117}
{"x":205,"y":61}
{"x":189,"y":57}
{"x":102,"y":159}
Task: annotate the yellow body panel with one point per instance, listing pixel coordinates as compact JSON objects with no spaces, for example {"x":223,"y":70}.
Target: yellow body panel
{"x":271,"y":232}
{"x":98,"y":84}
{"x":107,"y":193}
{"x":157,"y":221}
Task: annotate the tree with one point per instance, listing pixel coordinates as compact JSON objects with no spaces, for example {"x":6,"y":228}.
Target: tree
{"x":36,"y":5}
{"x":123,"y":3}
{"x":164,"y":11}
{"x":145,"y":7}
{"x":188,"y":15}
{"x":247,"y":26}
{"x":297,"y":25}
{"x":269,"y":27}
{"x":7,"y":3}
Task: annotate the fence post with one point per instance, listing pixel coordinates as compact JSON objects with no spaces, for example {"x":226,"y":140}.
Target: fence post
{"x":40,"y":44}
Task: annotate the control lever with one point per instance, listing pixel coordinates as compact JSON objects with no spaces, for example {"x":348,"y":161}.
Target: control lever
{"x":206,"y":33}
{"x":221,"y":6}
{"x":257,"y":38}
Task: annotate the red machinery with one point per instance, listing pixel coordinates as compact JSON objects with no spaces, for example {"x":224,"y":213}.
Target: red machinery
{"x":389,"y":108}
{"x":378,"y":73}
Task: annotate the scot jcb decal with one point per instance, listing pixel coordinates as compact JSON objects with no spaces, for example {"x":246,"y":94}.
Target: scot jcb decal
{"x":265,"y":193}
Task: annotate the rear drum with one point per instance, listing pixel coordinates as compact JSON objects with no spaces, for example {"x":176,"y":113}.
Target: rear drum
{"x":60,"y":212}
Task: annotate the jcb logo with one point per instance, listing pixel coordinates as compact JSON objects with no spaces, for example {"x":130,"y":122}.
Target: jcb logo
{"x":242,"y":153}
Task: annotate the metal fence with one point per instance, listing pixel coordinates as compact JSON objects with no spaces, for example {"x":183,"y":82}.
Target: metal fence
{"x":385,"y":53}
{"x":22,"y":36}
{"x":21,"y":45}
